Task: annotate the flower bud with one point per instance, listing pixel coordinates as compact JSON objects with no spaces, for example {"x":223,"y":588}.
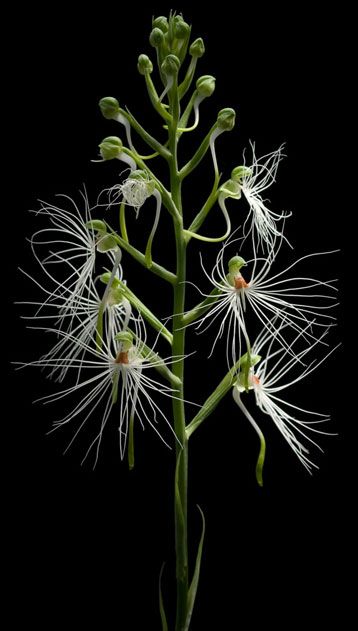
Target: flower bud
{"x":144,"y":65}
{"x":197,"y":48}
{"x":170,"y":65}
{"x":161,"y":22}
{"x":111,"y":147}
{"x":226,"y":119}
{"x":109,"y":107}
{"x":238,"y":173}
{"x":156,"y":38}
{"x":181,"y":28}
{"x":205,"y":85}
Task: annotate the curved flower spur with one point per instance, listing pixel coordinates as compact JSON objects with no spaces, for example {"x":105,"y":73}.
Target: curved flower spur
{"x":98,"y":321}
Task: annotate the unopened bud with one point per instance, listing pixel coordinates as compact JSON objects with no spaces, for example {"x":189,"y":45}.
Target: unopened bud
{"x":170,"y":65}
{"x":156,"y":38}
{"x":111,"y":147}
{"x":109,"y":107}
{"x":197,"y":48}
{"x":161,"y":22}
{"x":205,"y":85}
{"x":226,"y":119}
{"x":181,"y":28}
{"x":144,"y":65}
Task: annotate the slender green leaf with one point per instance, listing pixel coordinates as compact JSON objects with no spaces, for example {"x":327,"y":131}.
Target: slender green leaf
{"x":180,"y":524}
{"x":195,"y":580}
{"x":161,"y":603}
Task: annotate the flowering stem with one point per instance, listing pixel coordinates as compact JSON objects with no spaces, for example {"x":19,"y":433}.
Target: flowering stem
{"x":181,"y":470}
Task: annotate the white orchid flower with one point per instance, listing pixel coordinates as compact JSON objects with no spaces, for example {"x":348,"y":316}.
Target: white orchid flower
{"x":254,"y":180}
{"x":274,"y":369}
{"x":294,"y":300}
{"x":115,"y":374}
{"x":74,"y":239}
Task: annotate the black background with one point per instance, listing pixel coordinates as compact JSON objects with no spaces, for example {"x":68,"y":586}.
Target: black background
{"x":86,"y":546}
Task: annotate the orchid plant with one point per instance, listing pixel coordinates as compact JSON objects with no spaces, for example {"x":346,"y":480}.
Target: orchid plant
{"x":102,"y":327}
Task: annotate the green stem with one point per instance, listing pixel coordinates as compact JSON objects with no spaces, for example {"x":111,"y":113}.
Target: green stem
{"x":140,"y":257}
{"x":146,"y":312}
{"x":198,"y":155}
{"x":202,"y":214}
{"x":201,"y":308}
{"x":152,"y":142}
{"x":214,"y":399}
{"x":122,"y":222}
{"x":181,"y":470}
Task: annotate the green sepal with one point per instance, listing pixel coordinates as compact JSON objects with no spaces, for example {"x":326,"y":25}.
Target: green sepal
{"x":106,"y":243}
